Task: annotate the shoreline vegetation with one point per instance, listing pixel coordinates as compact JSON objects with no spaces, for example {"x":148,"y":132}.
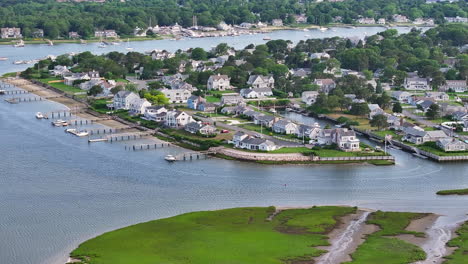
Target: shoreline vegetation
{"x":266,"y":30}
{"x":453,"y":192}
{"x":269,"y":235}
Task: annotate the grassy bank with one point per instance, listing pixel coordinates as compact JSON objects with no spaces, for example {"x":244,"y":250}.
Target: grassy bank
{"x":240,"y":235}
{"x":58,"y":84}
{"x":453,"y":192}
{"x":460,"y":255}
{"x":382,"y":247}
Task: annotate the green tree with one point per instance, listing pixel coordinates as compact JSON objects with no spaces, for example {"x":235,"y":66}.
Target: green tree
{"x":95,"y":90}
{"x":397,"y":108}
{"x":199,"y":54}
{"x":379,"y":121}
{"x":433,"y":112}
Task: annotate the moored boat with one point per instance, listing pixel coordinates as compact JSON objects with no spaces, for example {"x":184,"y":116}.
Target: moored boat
{"x":59,"y":123}
{"x":170,"y":158}
{"x":3,"y":58}
{"x":39,"y":115}
{"x":266,"y":38}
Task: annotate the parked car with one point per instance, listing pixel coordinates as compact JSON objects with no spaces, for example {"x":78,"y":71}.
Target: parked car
{"x":224,"y":131}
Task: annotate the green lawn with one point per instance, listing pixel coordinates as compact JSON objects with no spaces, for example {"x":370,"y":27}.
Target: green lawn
{"x":292,"y":150}
{"x":60,"y":85}
{"x":453,"y":192}
{"x":382,"y":134}
{"x":212,"y":99}
{"x":100,"y":106}
{"x":231,"y":236}
{"x":432,"y":148}
{"x":381,"y":248}
{"x":460,"y":255}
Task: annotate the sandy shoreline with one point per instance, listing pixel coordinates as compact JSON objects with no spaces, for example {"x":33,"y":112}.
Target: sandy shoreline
{"x":69,"y":103}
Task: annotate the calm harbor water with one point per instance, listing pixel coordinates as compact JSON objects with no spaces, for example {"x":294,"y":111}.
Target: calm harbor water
{"x":31,"y":52}
{"x":57,"y":190}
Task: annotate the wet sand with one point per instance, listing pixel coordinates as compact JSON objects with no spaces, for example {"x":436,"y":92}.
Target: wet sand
{"x":68,"y":102}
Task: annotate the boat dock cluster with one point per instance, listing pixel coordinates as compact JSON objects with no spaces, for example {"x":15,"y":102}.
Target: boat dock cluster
{"x":83,"y":127}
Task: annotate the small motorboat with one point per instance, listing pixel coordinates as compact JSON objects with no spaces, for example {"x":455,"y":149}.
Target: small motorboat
{"x":102,"y":45}
{"x":3,"y":58}
{"x":77,"y":132}
{"x":266,"y":38}
{"x":323,"y":29}
{"x":59,"y":123}
{"x":39,"y":115}
{"x":170,"y":158}
{"x":19,"y":44}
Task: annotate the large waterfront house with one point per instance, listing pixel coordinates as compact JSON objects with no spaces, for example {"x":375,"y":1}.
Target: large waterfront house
{"x":155,"y":113}
{"x":457,"y":86}
{"x":245,"y":141}
{"x":176,"y":95}
{"x":138,"y":106}
{"x":261,"y":81}
{"x":326,"y":85}
{"x":218,"y":82}
{"x":231,"y":99}
{"x":123,"y":99}
{"x":451,"y":144}
{"x":176,"y":118}
{"x":10,"y":33}
{"x":251,"y":93}
{"x":110,"y":33}
{"x":284,"y":126}
{"x":345,"y":139}
{"x":416,"y":83}
{"x":69,"y":80}
{"x":417,"y":136}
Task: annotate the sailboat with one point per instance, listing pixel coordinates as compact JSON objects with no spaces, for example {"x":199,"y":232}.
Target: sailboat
{"x":128,"y":45}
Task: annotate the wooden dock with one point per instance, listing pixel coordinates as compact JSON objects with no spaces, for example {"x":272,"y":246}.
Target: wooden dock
{"x":195,"y":155}
{"x":148,"y":146}
{"x":84,"y":122}
{"x":16,"y":100}
{"x":123,"y":137}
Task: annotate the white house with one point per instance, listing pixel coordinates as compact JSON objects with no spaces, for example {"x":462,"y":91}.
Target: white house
{"x":438,"y":96}
{"x":177,"y":119}
{"x":309,"y":97}
{"x":155,"y":113}
{"x":138,"y":106}
{"x":401,"y":96}
{"x":458,"y":86}
{"x":451,"y":144}
{"x":260,"y":81}
{"x":68,"y":80}
{"x":284,"y":126}
{"x":256,"y":92}
{"x":218,"y":82}
{"x":417,"y":136}
{"x":123,"y":99}
{"x":345,"y":139}
{"x":416,"y":83}
{"x":231,"y":99}
{"x":375,"y":110}
{"x":176,"y":95}
{"x":59,"y":70}
{"x":310,"y":132}
{"x":326,"y":85}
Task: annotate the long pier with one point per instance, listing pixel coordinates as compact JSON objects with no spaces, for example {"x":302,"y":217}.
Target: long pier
{"x":16,"y":100}
{"x":195,"y":155}
{"x":14,"y":92}
{"x":148,"y":146}
{"x":127,"y":136}
{"x":81,"y":122}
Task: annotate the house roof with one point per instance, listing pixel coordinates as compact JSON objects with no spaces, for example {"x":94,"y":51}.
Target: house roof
{"x":265,"y":118}
{"x":219,"y":77}
{"x":325,"y":81}
{"x":123,"y":94}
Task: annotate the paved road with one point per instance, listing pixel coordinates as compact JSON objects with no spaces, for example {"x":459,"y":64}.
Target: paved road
{"x":420,"y":119}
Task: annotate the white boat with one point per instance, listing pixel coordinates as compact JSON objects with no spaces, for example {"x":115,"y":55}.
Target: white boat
{"x":18,"y":62}
{"x":19,"y":44}
{"x":59,"y":123}
{"x":266,"y":38}
{"x":3,"y":58}
{"x":76,"y":132}
{"x":170,"y":158}
{"x":39,"y":115}
{"x":306,"y":35}
{"x":305,"y":29}
{"x":323,"y":29}
{"x":102,"y":45}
